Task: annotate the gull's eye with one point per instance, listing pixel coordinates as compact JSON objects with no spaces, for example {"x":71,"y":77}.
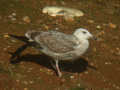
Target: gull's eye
{"x":84,"y":32}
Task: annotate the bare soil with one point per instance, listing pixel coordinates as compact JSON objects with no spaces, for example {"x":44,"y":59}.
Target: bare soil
{"x":98,"y":69}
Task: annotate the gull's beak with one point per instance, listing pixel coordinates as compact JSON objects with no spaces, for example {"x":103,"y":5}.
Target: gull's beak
{"x":91,"y":36}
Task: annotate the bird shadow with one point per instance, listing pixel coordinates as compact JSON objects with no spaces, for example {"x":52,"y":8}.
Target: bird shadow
{"x":79,"y":65}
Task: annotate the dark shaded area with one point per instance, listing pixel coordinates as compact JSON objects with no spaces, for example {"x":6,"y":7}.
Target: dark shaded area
{"x":69,"y":66}
{"x":17,"y":53}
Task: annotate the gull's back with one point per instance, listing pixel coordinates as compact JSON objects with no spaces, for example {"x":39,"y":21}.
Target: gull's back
{"x":53,"y":42}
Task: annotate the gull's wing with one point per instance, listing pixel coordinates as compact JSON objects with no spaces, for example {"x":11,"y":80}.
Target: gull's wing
{"x":54,"y":41}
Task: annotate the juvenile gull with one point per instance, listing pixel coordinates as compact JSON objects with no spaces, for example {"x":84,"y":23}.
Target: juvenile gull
{"x":61,"y":46}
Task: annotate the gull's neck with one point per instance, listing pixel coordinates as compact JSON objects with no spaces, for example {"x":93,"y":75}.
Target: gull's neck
{"x":82,"y":46}
{"x":80,"y":39}
{"x":83,"y":43}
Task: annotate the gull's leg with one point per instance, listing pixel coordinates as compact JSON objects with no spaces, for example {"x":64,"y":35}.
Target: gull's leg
{"x":57,"y":68}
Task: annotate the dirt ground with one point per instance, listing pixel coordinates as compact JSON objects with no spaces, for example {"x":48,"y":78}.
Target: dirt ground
{"x":98,"y":69}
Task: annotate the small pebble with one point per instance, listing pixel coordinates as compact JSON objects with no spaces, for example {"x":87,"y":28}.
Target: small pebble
{"x":13,"y":14}
{"x":13,"y":19}
{"x":63,"y":80}
{"x":107,"y":63}
{"x":25,"y":82}
{"x":102,"y":32}
{"x":49,"y":72}
{"x":13,"y":41}
{"x":78,"y":85}
{"x":92,"y":64}
{"x":80,"y":74}
{"x":86,"y":72}
{"x":57,"y":29}
{"x":118,"y":53}
{"x":26,"y":19}
{"x":46,"y":27}
{"x":90,"y":21}
{"x":6,"y":36}
{"x":117,"y":87}
{"x":13,"y":89}
{"x":10,"y":16}
{"x":104,"y":80}
{"x":72,"y":77}
{"x":41,"y":70}
{"x":25,"y":88}
{"x":5,"y":49}
{"x":111,"y":25}
{"x":118,"y":49}
{"x":31,"y":82}
{"x":98,"y":27}
{"x":104,"y":24}
{"x":30,"y":69}
{"x":114,"y":85}
{"x":17,"y":80}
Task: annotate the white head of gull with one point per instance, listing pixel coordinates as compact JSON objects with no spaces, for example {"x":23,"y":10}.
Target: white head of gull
{"x":61,"y":46}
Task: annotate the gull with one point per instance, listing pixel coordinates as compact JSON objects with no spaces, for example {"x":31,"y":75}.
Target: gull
{"x":60,"y":46}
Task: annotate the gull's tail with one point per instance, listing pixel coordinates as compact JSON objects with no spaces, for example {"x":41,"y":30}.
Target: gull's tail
{"x":32,"y":34}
